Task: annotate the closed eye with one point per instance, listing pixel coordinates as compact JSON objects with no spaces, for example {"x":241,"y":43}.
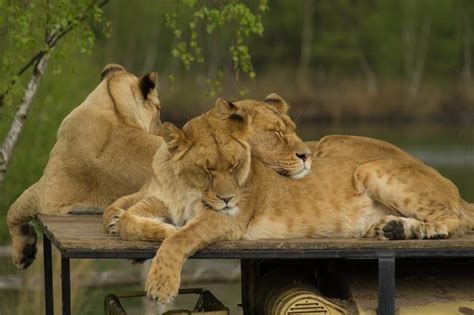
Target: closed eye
{"x":278,"y":133}
{"x":233,"y":167}
{"x":210,"y":171}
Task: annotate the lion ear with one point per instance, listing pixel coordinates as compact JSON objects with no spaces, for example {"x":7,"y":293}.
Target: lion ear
{"x":173,"y":136}
{"x":236,"y":117}
{"x":109,"y":69}
{"x":239,"y":123}
{"x":278,"y":102}
{"x":148,"y":83}
{"x":225,"y":107}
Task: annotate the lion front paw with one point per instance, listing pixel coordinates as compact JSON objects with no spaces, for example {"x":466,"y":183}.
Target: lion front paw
{"x":163,"y":281}
{"x":112,"y":226}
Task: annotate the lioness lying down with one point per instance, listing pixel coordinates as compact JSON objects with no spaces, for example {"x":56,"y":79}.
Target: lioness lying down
{"x":116,"y":125}
{"x":270,"y":124}
{"x":389,"y":198}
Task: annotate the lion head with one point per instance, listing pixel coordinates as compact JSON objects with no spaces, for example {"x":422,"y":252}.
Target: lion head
{"x":209,"y":159}
{"x":135,"y":99}
{"x":210,"y":155}
{"x":273,"y":137}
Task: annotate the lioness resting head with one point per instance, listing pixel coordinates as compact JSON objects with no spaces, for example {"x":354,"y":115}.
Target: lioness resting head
{"x":116,"y":125}
{"x":341,"y":197}
{"x":266,"y":122}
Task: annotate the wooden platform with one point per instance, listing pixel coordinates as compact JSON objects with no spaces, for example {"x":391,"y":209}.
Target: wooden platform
{"x":83,"y":236}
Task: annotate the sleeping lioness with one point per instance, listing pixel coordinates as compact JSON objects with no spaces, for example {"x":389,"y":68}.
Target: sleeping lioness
{"x":387,"y":198}
{"x":115,"y":126}
{"x":287,"y":156}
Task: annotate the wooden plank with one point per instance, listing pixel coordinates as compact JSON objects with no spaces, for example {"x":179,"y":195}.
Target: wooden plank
{"x":85,"y":233}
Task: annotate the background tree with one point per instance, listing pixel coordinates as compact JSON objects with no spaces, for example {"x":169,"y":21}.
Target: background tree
{"x":38,"y":26}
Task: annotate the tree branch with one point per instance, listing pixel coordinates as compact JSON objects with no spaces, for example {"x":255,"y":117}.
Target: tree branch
{"x":51,"y":41}
{"x":20,"y":116}
{"x":39,"y":63}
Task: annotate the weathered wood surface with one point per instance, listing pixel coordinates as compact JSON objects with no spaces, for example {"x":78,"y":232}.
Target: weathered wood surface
{"x":71,"y":233}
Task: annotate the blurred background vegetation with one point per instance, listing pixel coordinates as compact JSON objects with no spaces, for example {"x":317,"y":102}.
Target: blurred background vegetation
{"x":399,"y":70}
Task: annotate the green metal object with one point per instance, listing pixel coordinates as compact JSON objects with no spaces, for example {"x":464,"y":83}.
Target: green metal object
{"x":207,"y":303}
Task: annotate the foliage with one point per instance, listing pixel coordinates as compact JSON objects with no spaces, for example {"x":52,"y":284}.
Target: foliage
{"x":30,"y":28}
{"x":345,"y":29}
{"x":235,"y":13}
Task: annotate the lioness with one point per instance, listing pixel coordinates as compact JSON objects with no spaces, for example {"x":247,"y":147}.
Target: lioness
{"x":269,"y":123}
{"x":341,"y":197}
{"x":116,"y":124}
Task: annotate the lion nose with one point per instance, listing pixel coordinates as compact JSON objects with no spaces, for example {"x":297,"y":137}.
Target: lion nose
{"x":225,"y":199}
{"x":303,"y":155}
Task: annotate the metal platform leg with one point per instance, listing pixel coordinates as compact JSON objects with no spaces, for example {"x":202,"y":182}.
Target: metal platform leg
{"x":65,"y":285}
{"x":248,"y":278}
{"x":48,"y":276}
{"x":386,"y":305}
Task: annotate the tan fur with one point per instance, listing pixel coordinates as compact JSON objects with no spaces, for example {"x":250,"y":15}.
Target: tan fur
{"x":269,"y":123}
{"x":115,"y":126}
{"x":387,"y":198}
{"x":357,"y":147}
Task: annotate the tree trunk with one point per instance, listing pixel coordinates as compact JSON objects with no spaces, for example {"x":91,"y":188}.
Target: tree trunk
{"x":419,"y":63}
{"x":150,"y":57}
{"x":21,"y":114}
{"x":467,"y":72}
{"x":306,"y":41}
{"x":369,"y":75}
{"x":408,"y":39}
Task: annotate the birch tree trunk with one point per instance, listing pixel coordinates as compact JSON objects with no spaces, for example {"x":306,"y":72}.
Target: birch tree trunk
{"x":415,"y":46}
{"x":419,"y":64}
{"x":39,"y":62}
{"x":306,"y":41}
{"x":21,"y":114}
{"x":467,"y":71}
{"x":408,"y":39}
{"x":150,"y":57}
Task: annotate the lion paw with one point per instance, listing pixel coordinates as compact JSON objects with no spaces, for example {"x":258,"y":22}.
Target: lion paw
{"x":113,"y":226}
{"x":162,"y":283}
{"x":400,"y":228}
{"x":393,"y":230}
{"x":388,"y":228}
{"x":435,"y":231}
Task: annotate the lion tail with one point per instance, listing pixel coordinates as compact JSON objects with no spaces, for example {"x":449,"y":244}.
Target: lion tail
{"x":22,"y":232}
{"x":469,"y":211}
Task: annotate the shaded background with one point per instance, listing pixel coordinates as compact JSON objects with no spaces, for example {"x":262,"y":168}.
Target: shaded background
{"x":398,"y":70}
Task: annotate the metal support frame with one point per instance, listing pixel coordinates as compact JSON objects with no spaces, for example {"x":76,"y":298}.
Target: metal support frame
{"x":65,"y":285}
{"x":48,"y":277}
{"x":386,"y":279}
{"x":386,"y":267}
{"x":247,"y":278}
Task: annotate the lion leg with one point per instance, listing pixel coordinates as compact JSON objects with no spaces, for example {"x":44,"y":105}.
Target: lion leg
{"x":144,"y":221}
{"x":113,"y":212}
{"x":163,"y":279}
{"x":415,"y":191}
{"x":22,"y":232}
